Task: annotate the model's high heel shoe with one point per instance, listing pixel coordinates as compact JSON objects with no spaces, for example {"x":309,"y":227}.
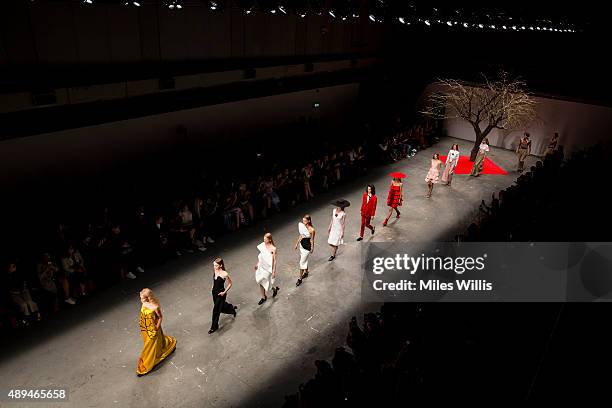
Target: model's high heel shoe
{"x":275,"y":291}
{"x":262,"y":300}
{"x":385,"y":222}
{"x":299,"y":282}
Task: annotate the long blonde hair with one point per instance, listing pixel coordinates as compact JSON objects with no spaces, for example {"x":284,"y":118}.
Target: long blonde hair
{"x":150,"y":296}
{"x":269,"y":237}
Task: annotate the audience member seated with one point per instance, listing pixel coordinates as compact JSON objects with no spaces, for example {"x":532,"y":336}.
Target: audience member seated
{"x":269,"y":195}
{"x":161,"y":246}
{"x":123,"y":259}
{"x":50,"y":277}
{"x":188,"y":227}
{"x":202,"y":222}
{"x":74,"y":268}
{"x":19,"y":293}
{"x":232,"y":214}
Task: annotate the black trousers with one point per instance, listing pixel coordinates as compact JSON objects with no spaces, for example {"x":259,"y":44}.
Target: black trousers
{"x":220,"y":306}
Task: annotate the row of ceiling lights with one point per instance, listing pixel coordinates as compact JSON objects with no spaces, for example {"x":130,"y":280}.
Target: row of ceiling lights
{"x":380,"y":5}
{"x":482,"y":26}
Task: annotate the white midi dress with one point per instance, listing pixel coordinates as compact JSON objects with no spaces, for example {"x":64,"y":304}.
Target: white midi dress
{"x":263,"y":275}
{"x":337,"y":228}
{"x":304,"y":253}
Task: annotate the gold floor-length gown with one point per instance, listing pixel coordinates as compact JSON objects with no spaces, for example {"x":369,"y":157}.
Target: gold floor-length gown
{"x":156,"y":346}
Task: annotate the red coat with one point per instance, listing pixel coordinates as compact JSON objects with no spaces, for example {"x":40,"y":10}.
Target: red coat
{"x":368,"y":209}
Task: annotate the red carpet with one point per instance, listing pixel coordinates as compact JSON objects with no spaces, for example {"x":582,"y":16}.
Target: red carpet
{"x":465,"y":166}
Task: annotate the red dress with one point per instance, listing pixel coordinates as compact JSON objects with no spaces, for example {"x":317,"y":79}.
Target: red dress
{"x":395,"y":197}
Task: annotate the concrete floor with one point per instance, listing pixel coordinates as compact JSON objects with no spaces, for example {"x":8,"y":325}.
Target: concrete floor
{"x":268,"y":350}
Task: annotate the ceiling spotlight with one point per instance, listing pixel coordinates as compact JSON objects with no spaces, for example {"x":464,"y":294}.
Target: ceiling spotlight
{"x":331,"y":13}
{"x":493,"y":26}
{"x":273,"y":11}
{"x":465,"y":25}
{"x":175,"y":4}
{"x":531,"y":28}
{"x":343,"y":18}
{"x":132,"y":3}
{"x":87,"y":1}
{"x":213,"y":5}
{"x":448,"y":23}
{"x":538,"y":28}
{"x":480,"y":26}
{"x":371,"y":17}
{"x":401,"y":20}
{"x":282,"y":9}
{"x":427,"y":23}
{"x":504,"y":27}
{"x":303,"y":15}
{"x":514,"y":28}
{"x":355,"y":15}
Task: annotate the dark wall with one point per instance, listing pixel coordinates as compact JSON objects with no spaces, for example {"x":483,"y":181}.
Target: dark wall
{"x":91,"y":150}
{"x":568,"y":64}
{"x":68,"y":32}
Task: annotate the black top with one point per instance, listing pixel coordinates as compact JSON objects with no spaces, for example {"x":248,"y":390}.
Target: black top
{"x":218,"y":285}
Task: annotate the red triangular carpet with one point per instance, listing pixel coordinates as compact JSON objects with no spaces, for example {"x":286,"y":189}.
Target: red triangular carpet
{"x":464,"y":166}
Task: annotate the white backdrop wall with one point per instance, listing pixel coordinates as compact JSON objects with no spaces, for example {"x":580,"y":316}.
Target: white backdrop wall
{"x":578,"y":124}
{"x":92,"y":149}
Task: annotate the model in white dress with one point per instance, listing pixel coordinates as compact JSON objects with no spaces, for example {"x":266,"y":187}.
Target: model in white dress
{"x":336,"y":230}
{"x":305,"y":242}
{"x":265,"y":270}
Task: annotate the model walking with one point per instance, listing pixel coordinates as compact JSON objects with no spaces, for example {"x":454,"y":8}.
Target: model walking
{"x":483,"y":149}
{"x":306,"y":241}
{"x":433,"y":175}
{"x":552,"y":145}
{"x":219,"y":294}
{"x":306,"y":176}
{"x":336,"y":227}
{"x":265,"y":270}
{"x":522,"y":151}
{"x":368,"y":209}
{"x":157,"y":346}
{"x":451,"y":162}
{"x":395,"y":198}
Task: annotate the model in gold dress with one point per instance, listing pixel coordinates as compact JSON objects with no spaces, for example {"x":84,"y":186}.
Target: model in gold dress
{"x":156,"y":346}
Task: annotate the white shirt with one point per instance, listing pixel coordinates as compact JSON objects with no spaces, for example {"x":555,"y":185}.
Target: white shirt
{"x":453,"y":155}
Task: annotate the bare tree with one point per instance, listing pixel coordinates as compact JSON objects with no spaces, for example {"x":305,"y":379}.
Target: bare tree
{"x":503,"y":103}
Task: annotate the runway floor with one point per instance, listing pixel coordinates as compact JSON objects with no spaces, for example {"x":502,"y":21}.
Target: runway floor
{"x":268,"y":350}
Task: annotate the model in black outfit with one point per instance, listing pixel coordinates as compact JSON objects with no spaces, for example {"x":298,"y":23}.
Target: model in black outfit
{"x":219,"y":293}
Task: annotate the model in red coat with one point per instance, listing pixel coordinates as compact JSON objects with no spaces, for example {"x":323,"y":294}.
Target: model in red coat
{"x":368,"y":209}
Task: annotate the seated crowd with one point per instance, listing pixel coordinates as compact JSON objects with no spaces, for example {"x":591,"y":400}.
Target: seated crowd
{"x":99,"y":248}
{"x":548,"y":203}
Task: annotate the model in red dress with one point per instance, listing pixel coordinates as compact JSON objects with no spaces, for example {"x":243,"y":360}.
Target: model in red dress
{"x":368,"y":209}
{"x":394,"y":199}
